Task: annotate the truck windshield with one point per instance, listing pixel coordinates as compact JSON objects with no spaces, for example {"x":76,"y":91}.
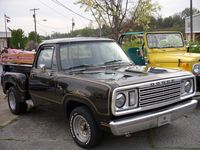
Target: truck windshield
{"x":87,"y":54}
{"x":164,"y":40}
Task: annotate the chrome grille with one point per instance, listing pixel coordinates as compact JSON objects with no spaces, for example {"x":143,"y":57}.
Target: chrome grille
{"x":159,"y":93}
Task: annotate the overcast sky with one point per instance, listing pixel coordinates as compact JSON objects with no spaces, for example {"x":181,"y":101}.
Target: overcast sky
{"x":59,"y":19}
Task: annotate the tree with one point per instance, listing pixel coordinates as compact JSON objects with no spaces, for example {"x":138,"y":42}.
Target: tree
{"x":18,"y":39}
{"x":120,"y":15}
{"x":186,"y":12}
{"x":174,"y":22}
{"x":31,"y":37}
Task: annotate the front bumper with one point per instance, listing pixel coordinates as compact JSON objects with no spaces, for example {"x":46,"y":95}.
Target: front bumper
{"x":151,"y":119}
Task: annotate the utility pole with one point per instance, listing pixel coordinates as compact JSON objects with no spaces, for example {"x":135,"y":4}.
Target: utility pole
{"x":191,"y":21}
{"x":6,"y":30}
{"x":7,"y":19}
{"x":34,"y":16}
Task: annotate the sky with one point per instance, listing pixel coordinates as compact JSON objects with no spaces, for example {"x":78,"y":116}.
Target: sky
{"x":59,"y":19}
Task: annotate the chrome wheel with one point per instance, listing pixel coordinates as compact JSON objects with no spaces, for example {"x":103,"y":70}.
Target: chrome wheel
{"x":81,"y":129}
{"x":12,"y":100}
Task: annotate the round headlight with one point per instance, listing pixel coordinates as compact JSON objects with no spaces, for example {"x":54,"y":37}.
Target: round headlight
{"x":188,"y":86}
{"x":196,"y":69}
{"x":120,"y":100}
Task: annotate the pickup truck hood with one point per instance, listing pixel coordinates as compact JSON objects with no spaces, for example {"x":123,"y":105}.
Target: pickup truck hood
{"x":173,"y":57}
{"x":130,"y":75}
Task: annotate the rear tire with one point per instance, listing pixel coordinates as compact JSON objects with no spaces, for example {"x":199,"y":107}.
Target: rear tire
{"x":83,"y":128}
{"x":15,"y":102}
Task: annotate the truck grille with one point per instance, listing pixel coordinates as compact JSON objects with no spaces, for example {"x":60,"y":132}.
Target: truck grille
{"x":159,"y":93}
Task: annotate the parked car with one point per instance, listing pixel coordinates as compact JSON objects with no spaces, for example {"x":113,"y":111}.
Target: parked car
{"x":161,"y":49}
{"x":99,"y":88}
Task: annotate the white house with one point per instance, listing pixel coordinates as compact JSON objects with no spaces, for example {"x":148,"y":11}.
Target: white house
{"x":3,"y":41}
{"x":196,"y":27}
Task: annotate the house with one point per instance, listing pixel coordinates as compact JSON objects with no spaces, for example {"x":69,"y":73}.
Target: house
{"x":3,"y":41}
{"x":196,"y":27}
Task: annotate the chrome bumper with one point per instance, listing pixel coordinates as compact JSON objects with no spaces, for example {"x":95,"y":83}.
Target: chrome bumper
{"x":150,"y":120}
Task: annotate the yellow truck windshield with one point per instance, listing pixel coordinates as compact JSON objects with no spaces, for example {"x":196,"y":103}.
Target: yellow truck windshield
{"x":164,"y":40}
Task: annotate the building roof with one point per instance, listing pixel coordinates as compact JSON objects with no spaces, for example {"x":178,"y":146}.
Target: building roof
{"x":75,"y":39}
{"x":3,"y":34}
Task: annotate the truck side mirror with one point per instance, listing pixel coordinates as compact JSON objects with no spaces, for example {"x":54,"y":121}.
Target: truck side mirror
{"x":42,"y":67}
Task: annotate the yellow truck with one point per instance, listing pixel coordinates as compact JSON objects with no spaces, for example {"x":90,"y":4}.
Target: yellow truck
{"x":165,"y":49}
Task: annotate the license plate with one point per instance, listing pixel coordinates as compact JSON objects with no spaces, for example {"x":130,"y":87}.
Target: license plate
{"x":164,"y":119}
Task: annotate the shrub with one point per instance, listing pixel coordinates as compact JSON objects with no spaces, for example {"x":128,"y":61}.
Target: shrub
{"x":194,"y":47}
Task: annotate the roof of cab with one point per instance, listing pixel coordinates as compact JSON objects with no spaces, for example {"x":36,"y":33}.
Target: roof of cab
{"x":75,"y":39}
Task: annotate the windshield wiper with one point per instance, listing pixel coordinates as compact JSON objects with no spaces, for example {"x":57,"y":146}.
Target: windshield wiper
{"x":80,"y":66}
{"x":112,"y":61}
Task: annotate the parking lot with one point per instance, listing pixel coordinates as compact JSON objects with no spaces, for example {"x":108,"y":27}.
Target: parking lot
{"x":44,"y":130}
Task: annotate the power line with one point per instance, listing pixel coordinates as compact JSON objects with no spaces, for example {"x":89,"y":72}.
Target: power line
{"x":61,"y":13}
{"x":53,"y":9}
{"x":62,"y":5}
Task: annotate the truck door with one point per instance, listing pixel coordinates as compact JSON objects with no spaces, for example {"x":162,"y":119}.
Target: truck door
{"x":42,"y":77}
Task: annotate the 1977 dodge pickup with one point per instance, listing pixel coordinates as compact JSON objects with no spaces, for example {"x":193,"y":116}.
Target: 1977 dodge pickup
{"x":99,"y":88}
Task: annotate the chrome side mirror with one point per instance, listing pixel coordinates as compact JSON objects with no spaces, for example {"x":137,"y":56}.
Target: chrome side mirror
{"x":42,"y":67}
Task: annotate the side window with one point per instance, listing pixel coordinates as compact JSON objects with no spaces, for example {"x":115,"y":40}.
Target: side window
{"x":54,"y":66}
{"x":45,"y":57}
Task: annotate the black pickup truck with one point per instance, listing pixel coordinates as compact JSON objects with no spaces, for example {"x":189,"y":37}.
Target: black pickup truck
{"x":99,"y":88}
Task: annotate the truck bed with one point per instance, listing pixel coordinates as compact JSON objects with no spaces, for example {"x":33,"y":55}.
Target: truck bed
{"x":21,"y":68}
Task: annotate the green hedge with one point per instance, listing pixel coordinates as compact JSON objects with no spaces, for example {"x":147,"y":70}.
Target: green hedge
{"x":194,"y":47}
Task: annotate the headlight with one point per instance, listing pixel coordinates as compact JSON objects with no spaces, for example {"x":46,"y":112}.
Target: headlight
{"x":187,"y":87}
{"x":120,"y":100}
{"x":196,"y":69}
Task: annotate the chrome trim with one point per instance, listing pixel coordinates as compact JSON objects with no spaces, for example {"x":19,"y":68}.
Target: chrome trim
{"x":129,"y":110}
{"x":162,"y":93}
{"x":158,"y":100}
{"x":165,"y":88}
{"x":150,"y":120}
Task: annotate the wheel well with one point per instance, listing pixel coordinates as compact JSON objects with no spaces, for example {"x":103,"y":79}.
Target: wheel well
{"x":71,"y":105}
{"x":8,"y":85}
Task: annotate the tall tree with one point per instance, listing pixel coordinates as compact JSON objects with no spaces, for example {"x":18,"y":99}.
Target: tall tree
{"x":31,"y":37}
{"x":186,"y":12}
{"x":18,"y":39}
{"x":120,"y":15}
{"x":174,"y":22}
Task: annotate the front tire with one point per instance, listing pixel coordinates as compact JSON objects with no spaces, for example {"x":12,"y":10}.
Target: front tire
{"x":15,"y":103}
{"x":83,"y":128}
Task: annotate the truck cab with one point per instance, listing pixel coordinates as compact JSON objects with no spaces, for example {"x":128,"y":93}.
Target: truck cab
{"x":161,"y":49}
